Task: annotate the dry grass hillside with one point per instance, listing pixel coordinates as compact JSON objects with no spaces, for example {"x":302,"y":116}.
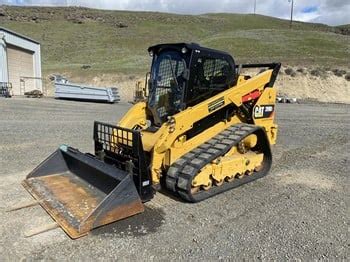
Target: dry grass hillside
{"x":109,"y":47}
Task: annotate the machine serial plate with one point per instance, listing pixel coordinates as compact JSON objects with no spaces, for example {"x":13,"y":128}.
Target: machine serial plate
{"x":216,"y":104}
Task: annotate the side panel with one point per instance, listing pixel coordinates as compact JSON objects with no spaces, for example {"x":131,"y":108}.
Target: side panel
{"x":182,"y":147}
{"x":135,"y":116}
{"x":264,"y":113}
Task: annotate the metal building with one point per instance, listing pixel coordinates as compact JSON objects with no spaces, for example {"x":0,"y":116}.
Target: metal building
{"x":20,"y":62}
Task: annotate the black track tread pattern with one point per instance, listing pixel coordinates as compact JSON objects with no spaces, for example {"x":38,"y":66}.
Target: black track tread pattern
{"x":182,"y":172}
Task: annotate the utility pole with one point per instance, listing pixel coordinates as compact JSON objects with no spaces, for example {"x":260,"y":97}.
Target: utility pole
{"x":254,"y":7}
{"x":291,"y":13}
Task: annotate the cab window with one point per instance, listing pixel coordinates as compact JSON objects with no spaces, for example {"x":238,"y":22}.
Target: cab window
{"x":209,"y":77}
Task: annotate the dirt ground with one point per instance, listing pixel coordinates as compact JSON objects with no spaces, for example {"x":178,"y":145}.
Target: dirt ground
{"x":299,"y":211}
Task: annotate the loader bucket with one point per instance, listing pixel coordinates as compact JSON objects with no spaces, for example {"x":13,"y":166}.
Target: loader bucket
{"x":81,"y":192}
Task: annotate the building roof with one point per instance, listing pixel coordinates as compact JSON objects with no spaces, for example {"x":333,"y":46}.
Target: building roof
{"x":19,"y":35}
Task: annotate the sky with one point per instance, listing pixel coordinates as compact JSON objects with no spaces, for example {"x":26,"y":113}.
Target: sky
{"x":331,"y":12}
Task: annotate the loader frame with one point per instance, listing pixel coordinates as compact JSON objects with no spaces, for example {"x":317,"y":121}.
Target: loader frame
{"x":274,"y":66}
{"x":126,"y":154}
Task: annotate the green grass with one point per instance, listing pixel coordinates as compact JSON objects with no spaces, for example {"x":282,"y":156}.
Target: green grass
{"x":66,"y":46}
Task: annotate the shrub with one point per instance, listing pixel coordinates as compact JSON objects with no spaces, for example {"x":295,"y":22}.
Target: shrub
{"x":85,"y":66}
{"x":301,"y":70}
{"x":315,"y":72}
{"x":347,"y":76}
{"x":339,"y":72}
{"x":289,"y":71}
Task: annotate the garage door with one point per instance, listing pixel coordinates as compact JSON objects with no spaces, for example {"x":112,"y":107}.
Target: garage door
{"x":20,"y":63}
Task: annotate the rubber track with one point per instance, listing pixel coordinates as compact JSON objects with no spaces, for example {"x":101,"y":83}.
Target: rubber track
{"x":182,"y":172}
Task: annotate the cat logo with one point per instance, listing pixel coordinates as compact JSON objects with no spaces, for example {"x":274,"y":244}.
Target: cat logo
{"x":263,"y":111}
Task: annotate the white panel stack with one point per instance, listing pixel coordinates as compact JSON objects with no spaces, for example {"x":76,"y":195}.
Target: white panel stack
{"x":66,"y":90}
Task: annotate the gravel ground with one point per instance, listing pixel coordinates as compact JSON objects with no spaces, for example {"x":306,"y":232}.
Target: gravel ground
{"x":299,"y":211}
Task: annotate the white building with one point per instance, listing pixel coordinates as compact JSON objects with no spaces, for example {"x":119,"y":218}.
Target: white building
{"x":20,"y":62}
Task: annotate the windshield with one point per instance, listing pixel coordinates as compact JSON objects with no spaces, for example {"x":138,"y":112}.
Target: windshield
{"x":167,"y":85}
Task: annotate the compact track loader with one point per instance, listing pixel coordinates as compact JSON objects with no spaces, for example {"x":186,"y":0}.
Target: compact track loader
{"x":205,"y":128}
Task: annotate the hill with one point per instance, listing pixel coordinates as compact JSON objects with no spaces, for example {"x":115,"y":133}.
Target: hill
{"x":116,"y":41}
{"x":108,"y":48}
